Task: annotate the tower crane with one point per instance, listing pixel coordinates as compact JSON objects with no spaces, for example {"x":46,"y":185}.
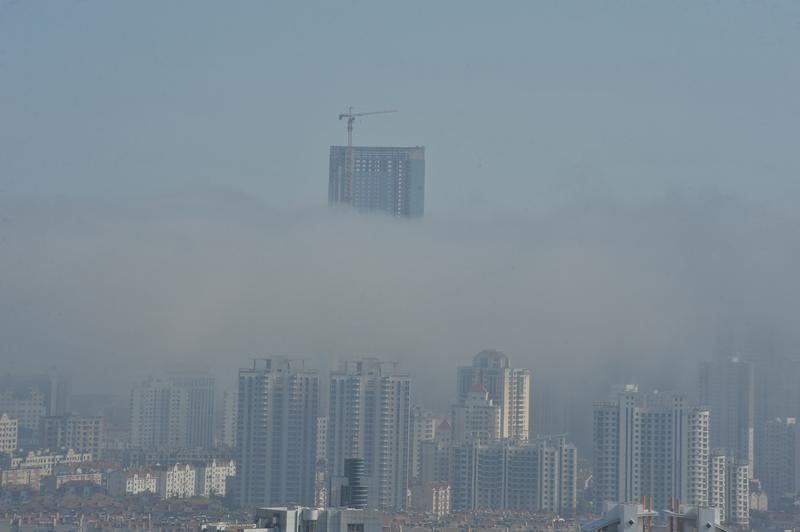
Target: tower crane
{"x":351,"y":117}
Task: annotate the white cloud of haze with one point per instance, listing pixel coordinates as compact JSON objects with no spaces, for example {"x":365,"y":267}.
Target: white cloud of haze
{"x":594,"y":293}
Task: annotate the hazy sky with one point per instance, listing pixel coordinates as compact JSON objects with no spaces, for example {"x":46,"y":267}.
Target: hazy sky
{"x":606,"y":182}
{"x":520,"y":105}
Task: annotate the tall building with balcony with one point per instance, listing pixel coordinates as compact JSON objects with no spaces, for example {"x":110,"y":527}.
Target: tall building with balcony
{"x":476,"y":419}
{"x":729,"y":487}
{"x":277,"y":433}
{"x":369,"y":417}
{"x":389,"y":180}
{"x":508,"y":388}
{"x":651,"y":446}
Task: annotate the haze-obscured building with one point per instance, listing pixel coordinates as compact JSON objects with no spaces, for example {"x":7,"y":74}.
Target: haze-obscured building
{"x":370,"y":418}
{"x":80,"y":433}
{"x":538,"y":477}
{"x":508,"y":388}
{"x":423,"y":428}
{"x":781,"y":462}
{"x":388,"y":180}
{"x":277,"y":432}
{"x":173,"y":412}
{"x":727,"y":388}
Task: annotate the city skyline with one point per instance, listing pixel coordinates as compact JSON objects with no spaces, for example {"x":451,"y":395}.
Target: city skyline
{"x":367,"y":267}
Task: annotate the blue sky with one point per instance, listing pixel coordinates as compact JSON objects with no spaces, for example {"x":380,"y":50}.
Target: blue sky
{"x":522,"y":106}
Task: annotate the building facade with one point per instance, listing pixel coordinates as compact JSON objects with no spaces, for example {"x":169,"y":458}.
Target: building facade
{"x":230,"y":403}
{"x":476,"y":419}
{"x":27,"y":404}
{"x":780,"y":468}
{"x":305,"y":519}
{"x":389,"y":180}
{"x":175,"y":412}
{"x":727,"y":388}
{"x":508,"y":388}
{"x":435,"y":455}
{"x":650,"y":446}
{"x":423,"y":429}
{"x":657,"y":448}
{"x":538,"y":477}
{"x":432,"y":498}
{"x":8,"y":434}
{"x":47,"y":461}
{"x":370,"y":418}
{"x":81,"y":433}
{"x":277,"y":432}
{"x":212,"y":477}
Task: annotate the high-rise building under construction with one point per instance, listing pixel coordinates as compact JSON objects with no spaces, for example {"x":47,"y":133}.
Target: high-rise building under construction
{"x":378,"y":179}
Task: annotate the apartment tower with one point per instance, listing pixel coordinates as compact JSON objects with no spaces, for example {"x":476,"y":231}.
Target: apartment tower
{"x":370,"y":418}
{"x":508,"y":388}
{"x":276,"y":433}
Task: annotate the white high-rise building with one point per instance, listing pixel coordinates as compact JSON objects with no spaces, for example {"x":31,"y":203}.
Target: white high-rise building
{"x":738,"y":502}
{"x":177,"y":412}
{"x":370,"y":418}
{"x":277,"y":432}
{"x":650,"y":446}
{"x":718,"y":483}
{"x":508,"y":388}
{"x":476,"y":419}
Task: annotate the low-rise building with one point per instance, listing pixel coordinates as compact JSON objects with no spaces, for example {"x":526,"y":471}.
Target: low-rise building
{"x":212,"y":477}
{"x":24,"y":476}
{"x":432,"y":498}
{"x":132,"y":481}
{"x":54,"y":482}
{"x":46,"y":460}
{"x":178,"y":481}
{"x":304,"y":519}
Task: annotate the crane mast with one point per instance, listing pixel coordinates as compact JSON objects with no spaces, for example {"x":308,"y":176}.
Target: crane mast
{"x":346,"y":190}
